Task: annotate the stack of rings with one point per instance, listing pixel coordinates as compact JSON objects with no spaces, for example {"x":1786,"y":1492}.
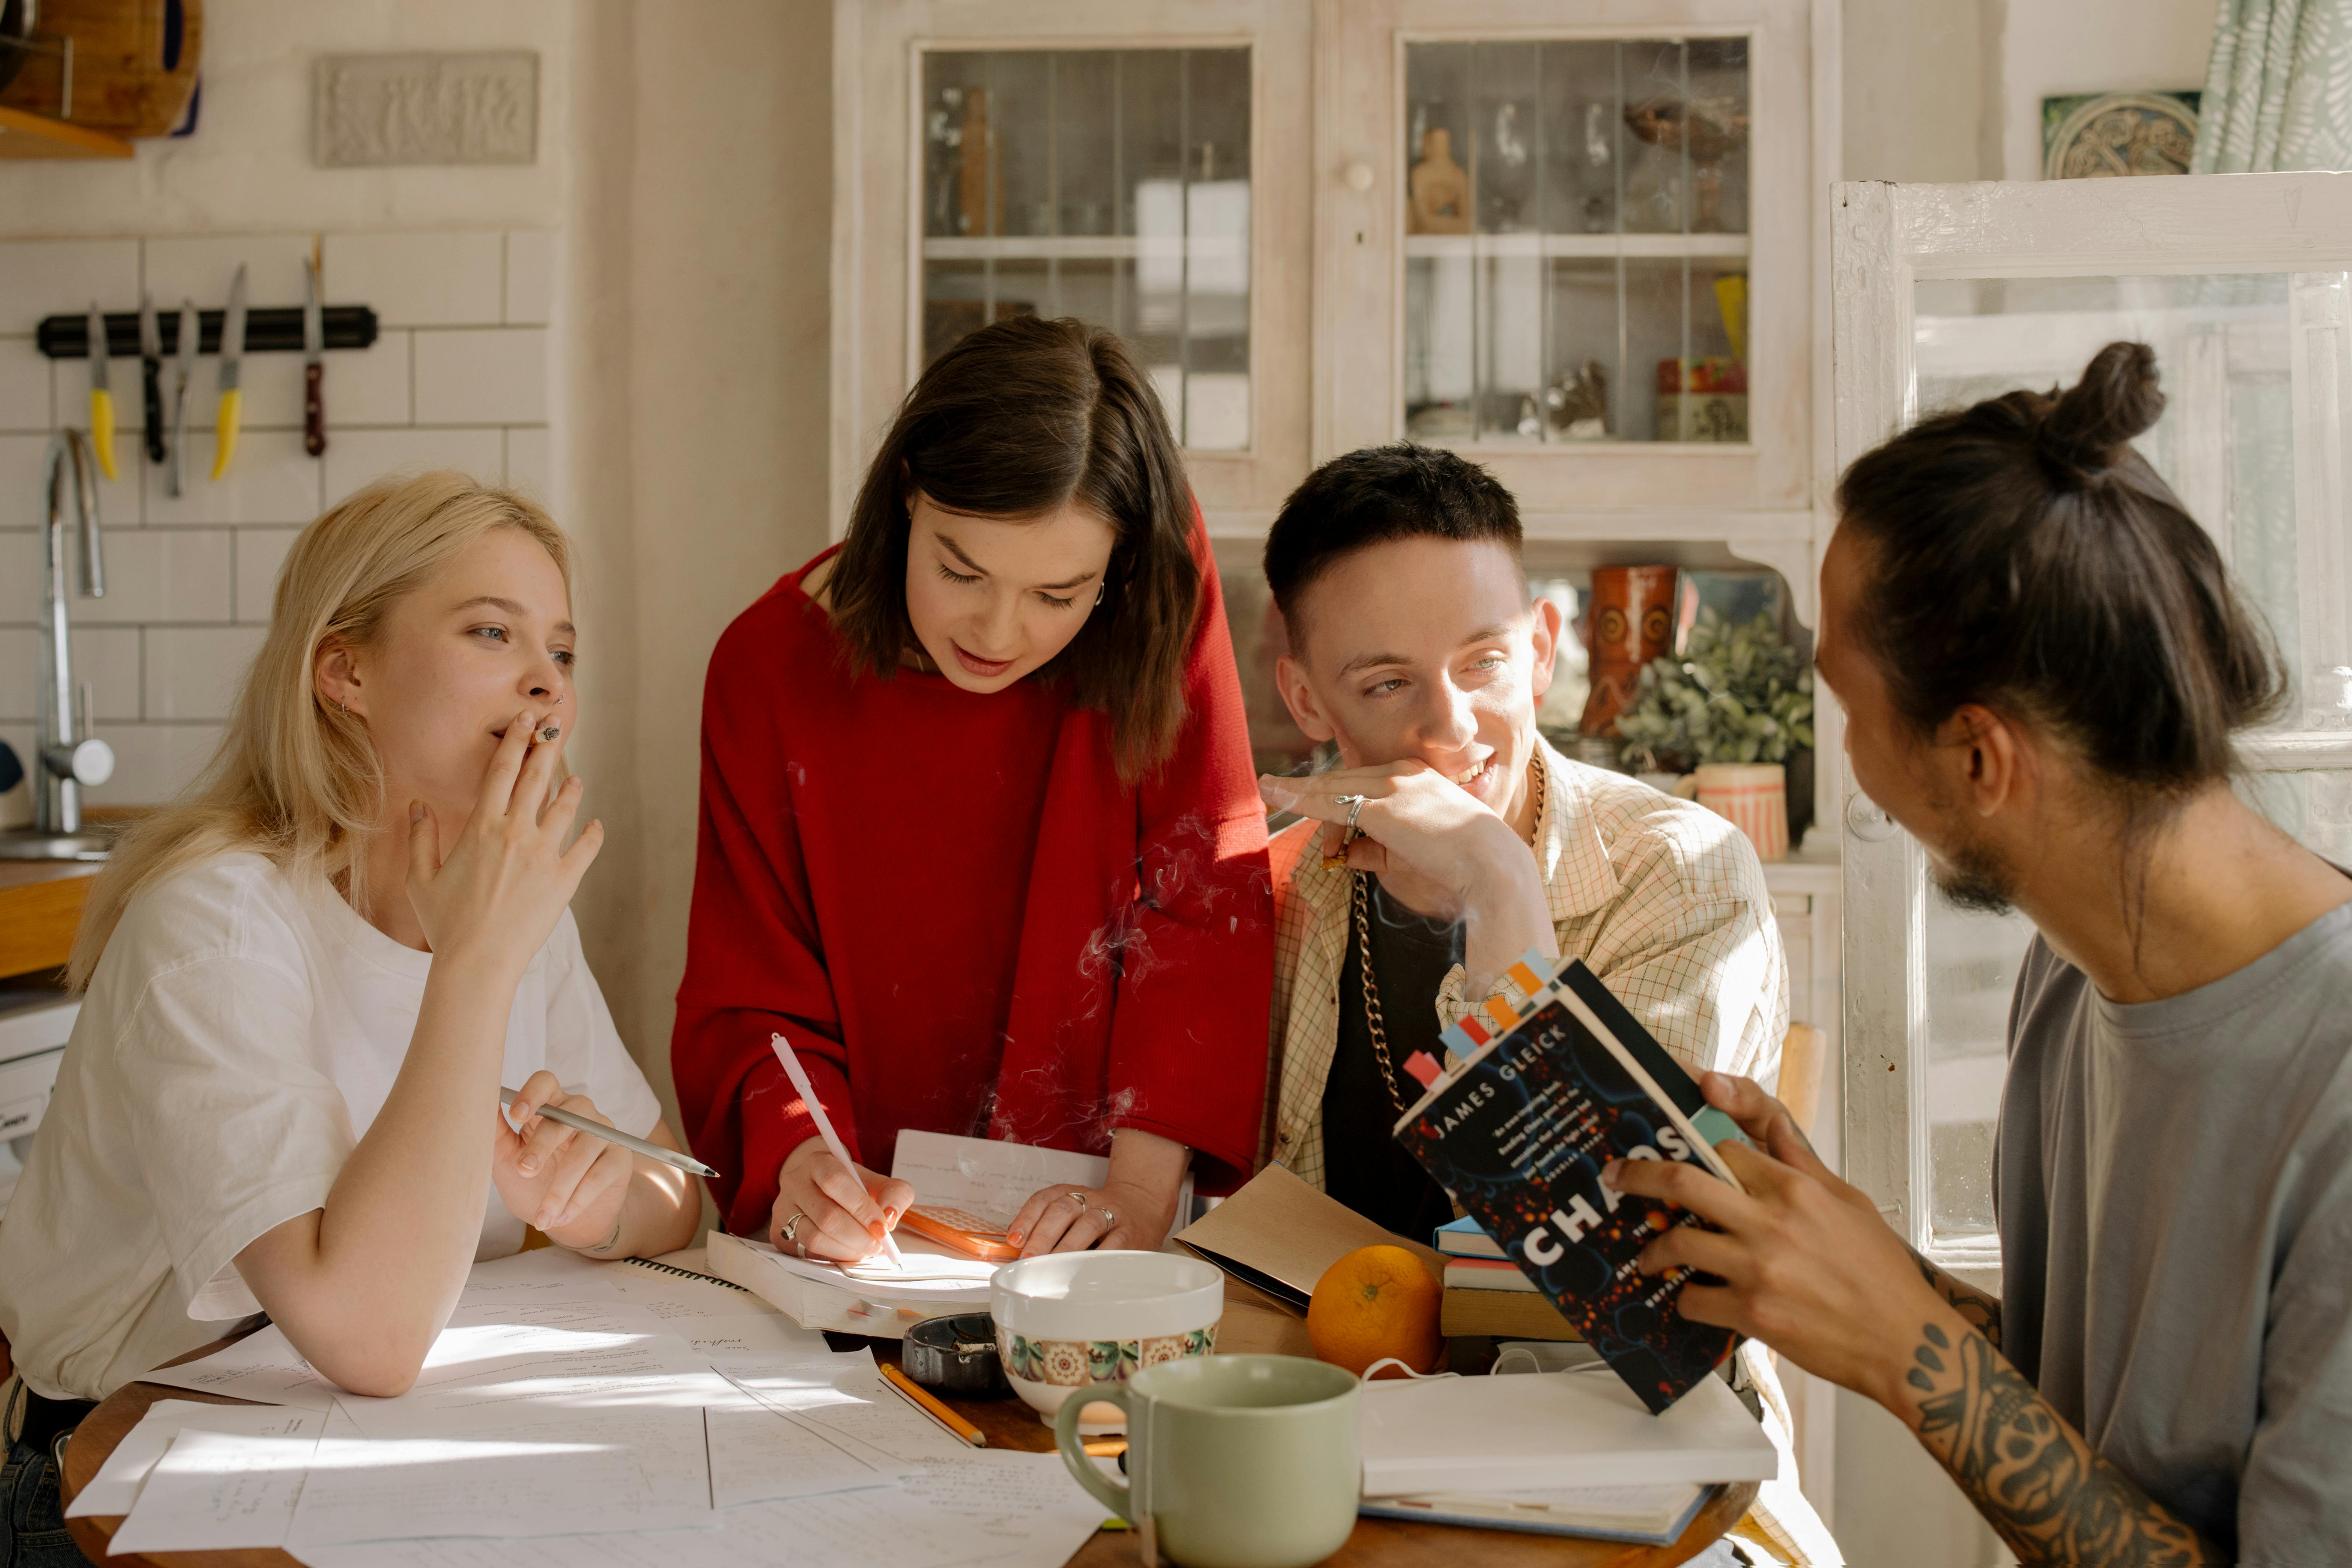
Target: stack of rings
{"x":1111,"y":1220}
{"x":1355,"y":805}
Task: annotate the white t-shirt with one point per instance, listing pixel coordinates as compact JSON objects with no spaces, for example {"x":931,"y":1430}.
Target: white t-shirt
{"x":241,"y":1033}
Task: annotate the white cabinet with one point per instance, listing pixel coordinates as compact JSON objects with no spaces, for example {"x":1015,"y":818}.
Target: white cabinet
{"x":1579,"y":241}
{"x":1140,"y":167}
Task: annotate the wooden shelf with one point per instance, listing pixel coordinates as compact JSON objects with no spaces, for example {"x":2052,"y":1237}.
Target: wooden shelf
{"x":1667,"y":246}
{"x":27,"y":135}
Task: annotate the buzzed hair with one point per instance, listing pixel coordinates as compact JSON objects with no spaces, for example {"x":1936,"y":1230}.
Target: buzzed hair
{"x":1374,"y":496}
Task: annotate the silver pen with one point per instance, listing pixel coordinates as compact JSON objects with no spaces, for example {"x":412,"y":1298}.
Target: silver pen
{"x":687,"y":1162}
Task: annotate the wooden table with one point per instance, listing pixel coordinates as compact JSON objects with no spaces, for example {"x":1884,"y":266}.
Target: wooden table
{"x":1009,"y":1423}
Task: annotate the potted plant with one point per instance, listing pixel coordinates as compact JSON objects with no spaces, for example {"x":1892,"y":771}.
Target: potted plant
{"x":1737,"y":705}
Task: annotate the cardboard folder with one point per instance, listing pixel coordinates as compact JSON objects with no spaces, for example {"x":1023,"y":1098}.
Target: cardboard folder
{"x":1277,"y":1236}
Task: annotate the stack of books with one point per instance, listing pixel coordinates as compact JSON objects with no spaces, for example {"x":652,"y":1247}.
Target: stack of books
{"x":1486,"y":1294}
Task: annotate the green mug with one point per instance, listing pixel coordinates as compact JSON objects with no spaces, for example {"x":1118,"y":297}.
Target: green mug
{"x":1233,"y":1461}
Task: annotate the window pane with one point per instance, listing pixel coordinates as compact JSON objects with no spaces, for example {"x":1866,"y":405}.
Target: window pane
{"x":2227,"y":445}
{"x":1576,"y":241}
{"x":1972,"y":969}
{"x":1111,"y":185}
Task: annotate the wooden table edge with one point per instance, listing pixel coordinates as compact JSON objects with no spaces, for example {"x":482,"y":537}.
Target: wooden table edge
{"x":1433,"y":1543}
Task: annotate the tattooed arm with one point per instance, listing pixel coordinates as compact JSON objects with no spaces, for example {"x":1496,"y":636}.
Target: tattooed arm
{"x":1810,"y":1267}
{"x":1978,"y":1310}
{"x":2029,"y":1473}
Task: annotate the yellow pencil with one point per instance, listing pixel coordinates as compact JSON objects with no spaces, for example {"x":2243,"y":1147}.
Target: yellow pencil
{"x":921,"y":1397}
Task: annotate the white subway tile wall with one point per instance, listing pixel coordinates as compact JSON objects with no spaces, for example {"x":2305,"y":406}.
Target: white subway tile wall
{"x":458,"y":376}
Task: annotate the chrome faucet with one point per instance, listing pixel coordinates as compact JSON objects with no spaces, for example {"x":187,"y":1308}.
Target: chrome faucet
{"x":67,"y":755}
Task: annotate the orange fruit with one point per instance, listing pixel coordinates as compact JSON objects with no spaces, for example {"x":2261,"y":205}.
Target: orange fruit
{"x":1377,"y":1301}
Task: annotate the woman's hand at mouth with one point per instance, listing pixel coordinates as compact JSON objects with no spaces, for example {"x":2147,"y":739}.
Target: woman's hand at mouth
{"x":495,"y":898}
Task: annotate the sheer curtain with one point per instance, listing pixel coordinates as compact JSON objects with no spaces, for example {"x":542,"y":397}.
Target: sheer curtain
{"x":2278,"y":93}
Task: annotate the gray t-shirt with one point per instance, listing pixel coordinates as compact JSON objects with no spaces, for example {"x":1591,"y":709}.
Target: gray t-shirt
{"x":2174,"y":1185}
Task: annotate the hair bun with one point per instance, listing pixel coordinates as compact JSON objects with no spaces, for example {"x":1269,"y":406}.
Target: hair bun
{"x":2090,"y":426}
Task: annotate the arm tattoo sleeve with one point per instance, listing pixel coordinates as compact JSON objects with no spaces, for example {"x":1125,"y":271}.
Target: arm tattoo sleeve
{"x":2030,"y":1474}
{"x":1981,"y":1312}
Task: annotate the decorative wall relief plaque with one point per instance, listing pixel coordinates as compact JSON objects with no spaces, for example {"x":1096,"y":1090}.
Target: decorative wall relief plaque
{"x":2099,"y":135}
{"x":374,"y":111}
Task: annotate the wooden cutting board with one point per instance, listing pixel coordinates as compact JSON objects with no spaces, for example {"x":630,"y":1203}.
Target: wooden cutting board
{"x":134,"y":65}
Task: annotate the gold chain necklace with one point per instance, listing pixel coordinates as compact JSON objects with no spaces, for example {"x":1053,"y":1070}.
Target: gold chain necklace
{"x":1361,"y":898}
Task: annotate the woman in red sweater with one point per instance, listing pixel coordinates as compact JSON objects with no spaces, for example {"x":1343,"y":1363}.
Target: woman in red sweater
{"x":981,"y":835}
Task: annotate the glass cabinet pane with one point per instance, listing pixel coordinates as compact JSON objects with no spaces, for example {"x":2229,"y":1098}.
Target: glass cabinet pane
{"x":1108,"y":185}
{"x":2227,"y":445}
{"x":1576,"y":241}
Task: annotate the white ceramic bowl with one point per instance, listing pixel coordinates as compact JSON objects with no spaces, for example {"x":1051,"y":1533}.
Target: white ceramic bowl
{"x":1065,"y":1320}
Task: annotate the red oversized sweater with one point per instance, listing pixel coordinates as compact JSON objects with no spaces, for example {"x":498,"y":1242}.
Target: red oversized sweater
{"x":961,"y":918}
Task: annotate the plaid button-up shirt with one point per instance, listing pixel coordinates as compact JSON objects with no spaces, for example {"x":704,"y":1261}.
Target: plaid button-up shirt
{"x":1661,"y":898}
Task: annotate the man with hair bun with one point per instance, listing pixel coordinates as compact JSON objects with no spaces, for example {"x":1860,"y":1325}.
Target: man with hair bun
{"x":1416,"y":648}
{"x":2044,"y":661}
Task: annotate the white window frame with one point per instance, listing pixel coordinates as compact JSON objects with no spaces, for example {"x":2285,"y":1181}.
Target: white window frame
{"x":1885,"y":240}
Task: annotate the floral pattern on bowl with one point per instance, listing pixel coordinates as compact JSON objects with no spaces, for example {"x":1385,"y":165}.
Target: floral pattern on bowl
{"x":1074,"y":1364}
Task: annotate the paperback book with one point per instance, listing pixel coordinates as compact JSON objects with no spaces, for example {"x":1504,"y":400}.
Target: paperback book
{"x":1543,"y":1097}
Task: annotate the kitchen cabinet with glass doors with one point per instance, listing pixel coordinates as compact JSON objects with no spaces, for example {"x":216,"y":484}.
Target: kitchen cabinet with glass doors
{"x":1581,"y":241}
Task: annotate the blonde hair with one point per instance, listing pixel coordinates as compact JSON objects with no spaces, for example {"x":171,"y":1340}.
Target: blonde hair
{"x":297,"y":778}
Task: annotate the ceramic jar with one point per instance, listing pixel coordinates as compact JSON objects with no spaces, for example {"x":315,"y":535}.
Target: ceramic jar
{"x":1630,"y":623}
{"x":1755,"y":797}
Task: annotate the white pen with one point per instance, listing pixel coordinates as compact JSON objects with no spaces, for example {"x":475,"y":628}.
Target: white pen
{"x":687,"y":1162}
{"x":799,"y":1075}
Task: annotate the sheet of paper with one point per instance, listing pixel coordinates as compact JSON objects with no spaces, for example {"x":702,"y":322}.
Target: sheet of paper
{"x":928,"y":1276}
{"x":542,"y":1273}
{"x":115,"y":1489}
{"x":848,"y":1401}
{"x":217,"y":1491}
{"x":580,"y":1356}
{"x":716,"y":1319}
{"x":987,"y":1176}
{"x":263,"y":1366}
{"x":761,"y":1454}
{"x":849,"y":1530}
{"x":541,"y":1472}
{"x":1010,"y":1502}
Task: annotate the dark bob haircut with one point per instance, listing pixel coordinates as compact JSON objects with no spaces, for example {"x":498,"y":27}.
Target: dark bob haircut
{"x":1375,"y":495}
{"x":1016,"y":420}
{"x":2023,"y":557}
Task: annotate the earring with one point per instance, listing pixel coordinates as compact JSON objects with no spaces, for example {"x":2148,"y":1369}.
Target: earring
{"x":1100,"y":592}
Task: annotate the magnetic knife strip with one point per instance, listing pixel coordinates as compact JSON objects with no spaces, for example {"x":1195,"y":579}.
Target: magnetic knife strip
{"x":266,"y":331}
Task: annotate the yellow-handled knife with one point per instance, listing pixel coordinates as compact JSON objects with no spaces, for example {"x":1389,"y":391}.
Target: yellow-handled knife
{"x":232,"y":366}
{"x":101,"y":400}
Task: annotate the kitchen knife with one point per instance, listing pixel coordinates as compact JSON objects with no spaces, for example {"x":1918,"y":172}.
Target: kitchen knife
{"x":101,"y":400}
{"x":151,"y":376}
{"x":184,"y":368}
{"x":232,"y":366}
{"x":314,"y":365}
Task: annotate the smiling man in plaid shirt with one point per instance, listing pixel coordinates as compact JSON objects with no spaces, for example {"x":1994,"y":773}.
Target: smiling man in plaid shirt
{"x":1415,"y":645}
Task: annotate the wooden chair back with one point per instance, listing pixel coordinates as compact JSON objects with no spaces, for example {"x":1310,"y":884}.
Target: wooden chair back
{"x":1801,"y":1059}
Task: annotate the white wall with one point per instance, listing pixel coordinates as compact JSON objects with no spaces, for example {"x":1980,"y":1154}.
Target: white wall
{"x":458,"y":377}
{"x":2092,"y":46}
{"x":685,"y":427}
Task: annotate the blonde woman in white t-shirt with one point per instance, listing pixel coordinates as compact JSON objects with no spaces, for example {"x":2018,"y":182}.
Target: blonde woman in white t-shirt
{"x":308,"y":980}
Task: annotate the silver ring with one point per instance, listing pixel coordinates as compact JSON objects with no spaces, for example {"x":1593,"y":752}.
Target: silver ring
{"x":1076,"y":1197}
{"x":803,"y":1246}
{"x":1111,"y":1220}
{"x":790,"y":1228}
{"x":1355,"y":805}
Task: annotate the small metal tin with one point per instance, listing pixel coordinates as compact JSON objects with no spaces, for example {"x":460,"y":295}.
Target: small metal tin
{"x":956,"y":1354}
